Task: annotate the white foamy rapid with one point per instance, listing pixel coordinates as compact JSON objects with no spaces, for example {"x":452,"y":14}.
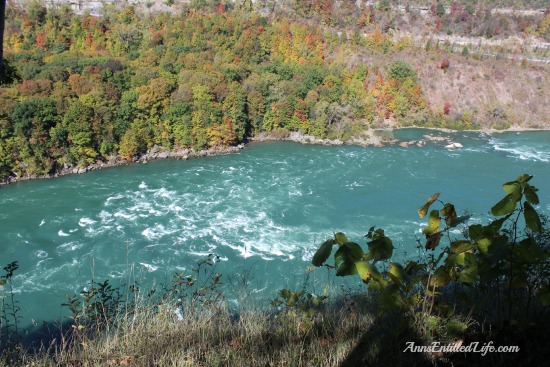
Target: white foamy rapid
{"x":267,"y":208}
{"x":83,"y":222}
{"x":520,"y":151}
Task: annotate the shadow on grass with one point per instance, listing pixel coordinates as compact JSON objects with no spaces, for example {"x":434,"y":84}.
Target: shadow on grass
{"x":36,"y":339}
{"x":384,"y":344}
{"x":46,"y":335}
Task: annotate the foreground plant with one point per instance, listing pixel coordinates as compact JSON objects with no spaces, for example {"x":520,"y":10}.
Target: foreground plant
{"x":10,"y":333}
{"x":499,"y":270}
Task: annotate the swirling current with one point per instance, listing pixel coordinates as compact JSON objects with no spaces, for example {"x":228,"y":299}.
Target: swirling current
{"x":262,"y":210}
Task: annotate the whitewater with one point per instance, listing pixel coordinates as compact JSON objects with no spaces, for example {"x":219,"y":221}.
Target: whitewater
{"x":263,"y":210}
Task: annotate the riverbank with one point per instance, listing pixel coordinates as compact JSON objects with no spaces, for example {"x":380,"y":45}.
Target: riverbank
{"x":378,"y":137}
{"x":381,"y":136}
{"x":156,"y":152}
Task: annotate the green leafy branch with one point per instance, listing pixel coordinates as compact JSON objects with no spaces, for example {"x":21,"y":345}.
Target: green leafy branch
{"x":498,"y":258}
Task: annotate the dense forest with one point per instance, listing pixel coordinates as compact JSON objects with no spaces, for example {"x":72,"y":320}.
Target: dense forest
{"x":80,"y":89}
{"x":88,"y":88}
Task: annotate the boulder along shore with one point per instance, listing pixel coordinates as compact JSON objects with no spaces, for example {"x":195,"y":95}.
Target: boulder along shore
{"x":369,"y":138}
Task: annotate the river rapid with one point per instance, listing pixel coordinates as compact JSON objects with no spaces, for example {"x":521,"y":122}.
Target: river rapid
{"x":263,"y":210}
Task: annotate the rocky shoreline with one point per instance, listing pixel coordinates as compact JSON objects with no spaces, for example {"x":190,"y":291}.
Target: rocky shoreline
{"x":370,"y":138}
{"x":384,"y":136}
{"x":156,"y":152}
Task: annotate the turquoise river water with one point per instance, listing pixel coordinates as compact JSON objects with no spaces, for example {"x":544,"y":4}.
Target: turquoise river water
{"x":262,"y":210}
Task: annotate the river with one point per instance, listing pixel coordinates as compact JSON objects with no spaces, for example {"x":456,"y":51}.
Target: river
{"x":262,"y":210}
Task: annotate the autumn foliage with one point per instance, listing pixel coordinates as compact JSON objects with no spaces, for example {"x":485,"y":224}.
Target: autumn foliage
{"x":121,"y":83}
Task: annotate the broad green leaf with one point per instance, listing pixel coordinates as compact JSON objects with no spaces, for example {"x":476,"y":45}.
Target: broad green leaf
{"x":463,"y":258}
{"x":506,"y":205}
{"x":449,"y":213}
{"x":365,"y":270}
{"x":532,"y":218}
{"x":433,"y":223}
{"x":495,"y":226}
{"x":379,"y":249}
{"x":495,"y":249}
{"x":531,"y":194}
{"x":423,"y":210}
{"x":458,"y":246}
{"x":440,"y":277}
{"x":468,"y":275}
{"x":466,"y":258}
{"x":483,"y":245}
{"x":340,"y":238}
{"x":451,"y":260}
{"x":511,"y":187}
{"x":475,"y":232}
{"x":529,"y":251}
{"x":347,"y":268}
{"x":387,"y":248}
{"x":322,"y":253}
{"x":398,"y":272}
{"x":348,"y":252}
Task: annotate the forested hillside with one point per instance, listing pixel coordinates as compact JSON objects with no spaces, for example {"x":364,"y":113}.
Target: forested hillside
{"x":88,"y":88}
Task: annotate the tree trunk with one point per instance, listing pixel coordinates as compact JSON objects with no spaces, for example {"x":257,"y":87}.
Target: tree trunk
{"x":2,"y":23}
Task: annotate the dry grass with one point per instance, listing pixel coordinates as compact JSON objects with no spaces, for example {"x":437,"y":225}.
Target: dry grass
{"x":345,"y":334}
{"x":213,"y":337}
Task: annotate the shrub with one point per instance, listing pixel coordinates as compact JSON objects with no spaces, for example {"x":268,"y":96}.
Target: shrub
{"x":401,"y":70}
{"x":446,"y":108}
{"x":444,"y":288}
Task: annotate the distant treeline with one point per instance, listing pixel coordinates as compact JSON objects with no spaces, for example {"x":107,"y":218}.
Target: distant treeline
{"x":95,"y":87}
{"x":89,"y":88}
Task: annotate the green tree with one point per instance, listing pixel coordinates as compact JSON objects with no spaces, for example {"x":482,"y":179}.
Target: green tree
{"x":256,"y":110}
{"x":78,"y":121}
{"x":129,"y":146}
{"x":401,"y":70}
{"x":2,"y":26}
{"x":384,"y":5}
{"x":440,"y":9}
{"x":234,"y":108}
{"x":199,"y":129}
{"x":32,"y":120}
{"x":127,"y":38}
{"x":204,"y":113}
{"x":126,"y":112}
{"x":153,"y":98}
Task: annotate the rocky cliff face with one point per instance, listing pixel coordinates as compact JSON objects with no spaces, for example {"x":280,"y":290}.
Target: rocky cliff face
{"x":78,"y":6}
{"x":94,"y":6}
